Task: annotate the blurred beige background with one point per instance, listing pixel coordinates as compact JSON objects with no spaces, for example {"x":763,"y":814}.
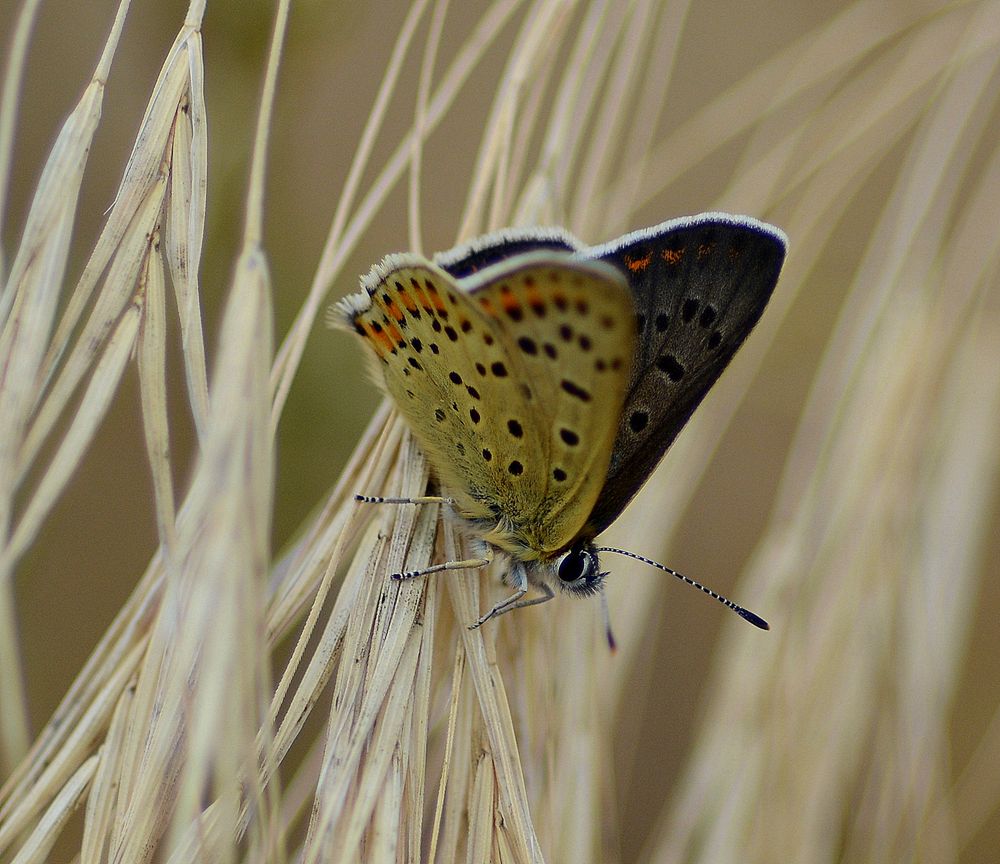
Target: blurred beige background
{"x":84,"y":563}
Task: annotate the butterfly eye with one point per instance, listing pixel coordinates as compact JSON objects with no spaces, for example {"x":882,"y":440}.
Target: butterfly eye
{"x":572,"y":566}
{"x":579,"y":571}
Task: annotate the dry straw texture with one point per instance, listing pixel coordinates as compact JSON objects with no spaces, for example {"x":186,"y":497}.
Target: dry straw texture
{"x":253,"y":704}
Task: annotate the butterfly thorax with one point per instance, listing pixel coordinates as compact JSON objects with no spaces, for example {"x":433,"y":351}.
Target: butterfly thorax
{"x":574,"y":569}
{"x":511,"y":542}
{"x":507,"y":530}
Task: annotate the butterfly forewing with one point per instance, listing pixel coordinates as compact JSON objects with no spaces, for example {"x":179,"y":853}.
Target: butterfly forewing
{"x":699,"y":285}
{"x":440,"y":359}
{"x":482,"y":252}
{"x":512,"y":382}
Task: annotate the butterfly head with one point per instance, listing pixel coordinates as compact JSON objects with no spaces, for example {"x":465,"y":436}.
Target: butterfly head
{"x":578,"y":570}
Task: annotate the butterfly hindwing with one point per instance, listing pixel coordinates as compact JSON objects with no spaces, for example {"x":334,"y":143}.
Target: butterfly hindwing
{"x":569,"y":329}
{"x":699,"y":286}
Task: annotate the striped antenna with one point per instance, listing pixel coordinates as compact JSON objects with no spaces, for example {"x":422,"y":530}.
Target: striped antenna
{"x":756,"y":620}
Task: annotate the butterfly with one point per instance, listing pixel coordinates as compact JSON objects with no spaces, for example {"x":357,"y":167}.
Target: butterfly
{"x":545,"y":379}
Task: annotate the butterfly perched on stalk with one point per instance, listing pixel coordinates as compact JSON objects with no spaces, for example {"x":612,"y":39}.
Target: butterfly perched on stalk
{"x":544,"y":379}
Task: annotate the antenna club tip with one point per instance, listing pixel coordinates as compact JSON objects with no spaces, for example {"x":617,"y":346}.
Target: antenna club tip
{"x":756,"y":620}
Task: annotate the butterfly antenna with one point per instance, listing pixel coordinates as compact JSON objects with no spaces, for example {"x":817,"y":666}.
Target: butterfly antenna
{"x":612,"y":645}
{"x":756,"y":620}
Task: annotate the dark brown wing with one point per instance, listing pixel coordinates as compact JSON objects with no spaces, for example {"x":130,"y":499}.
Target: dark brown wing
{"x":700,"y":285}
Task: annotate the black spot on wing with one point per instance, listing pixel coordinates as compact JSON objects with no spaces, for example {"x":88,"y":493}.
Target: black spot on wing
{"x":575,"y":390}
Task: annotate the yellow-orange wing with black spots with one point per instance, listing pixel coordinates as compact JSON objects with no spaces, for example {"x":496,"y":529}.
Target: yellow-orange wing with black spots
{"x":512,"y":380}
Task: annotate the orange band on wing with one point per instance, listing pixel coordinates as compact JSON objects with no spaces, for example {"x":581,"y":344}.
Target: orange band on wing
{"x":510,"y":302}
{"x":408,"y":302}
{"x":380,"y":338}
{"x":637,"y":265}
{"x":395,"y":312}
{"x":673,"y":256}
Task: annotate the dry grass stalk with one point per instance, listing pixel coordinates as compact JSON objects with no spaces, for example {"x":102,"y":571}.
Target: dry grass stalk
{"x":441,"y":743}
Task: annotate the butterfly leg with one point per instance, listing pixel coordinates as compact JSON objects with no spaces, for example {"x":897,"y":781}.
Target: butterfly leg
{"x":423,"y":499}
{"x":467,"y":564}
{"x":515,"y":601}
{"x":547,"y":594}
